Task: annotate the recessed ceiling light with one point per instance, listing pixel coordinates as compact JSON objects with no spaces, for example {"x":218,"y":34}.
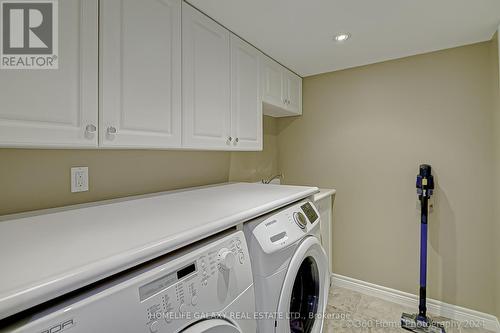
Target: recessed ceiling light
{"x":342,"y":37}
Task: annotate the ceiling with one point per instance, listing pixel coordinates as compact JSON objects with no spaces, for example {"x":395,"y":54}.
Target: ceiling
{"x":299,"y":33}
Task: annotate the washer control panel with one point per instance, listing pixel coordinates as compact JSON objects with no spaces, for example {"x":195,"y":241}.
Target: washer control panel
{"x":287,"y":226}
{"x":163,"y":295}
{"x":300,"y":219}
{"x":205,"y":285}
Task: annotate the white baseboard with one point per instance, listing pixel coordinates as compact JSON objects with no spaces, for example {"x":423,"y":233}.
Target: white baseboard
{"x":409,"y":300}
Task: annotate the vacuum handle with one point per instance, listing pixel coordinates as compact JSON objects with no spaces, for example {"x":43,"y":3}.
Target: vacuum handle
{"x":425,"y":182}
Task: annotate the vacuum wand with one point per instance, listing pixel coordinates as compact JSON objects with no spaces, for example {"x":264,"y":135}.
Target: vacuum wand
{"x":420,"y":322}
{"x":425,"y":187}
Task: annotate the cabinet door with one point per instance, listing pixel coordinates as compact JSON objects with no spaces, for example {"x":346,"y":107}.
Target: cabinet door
{"x":205,"y":81}
{"x":273,"y":89}
{"x":56,"y":107}
{"x":246,"y":105}
{"x":293,"y":98}
{"x":140,"y":73}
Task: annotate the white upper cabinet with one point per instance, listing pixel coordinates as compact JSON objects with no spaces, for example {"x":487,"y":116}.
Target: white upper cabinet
{"x":293,"y":101}
{"x":222,"y":105}
{"x":140,"y":73}
{"x":56,"y":107}
{"x":281,"y":90}
{"x":205,"y":82}
{"x":151,"y":74}
{"x":272,"y":82}
{"x":246,"y":101}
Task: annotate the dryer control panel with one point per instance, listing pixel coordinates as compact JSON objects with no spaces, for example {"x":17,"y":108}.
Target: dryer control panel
{"x":287,"y":226}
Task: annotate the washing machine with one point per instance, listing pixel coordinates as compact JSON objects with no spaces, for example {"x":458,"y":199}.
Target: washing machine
{"x":207,"y":288}
{"x":290,"y":270}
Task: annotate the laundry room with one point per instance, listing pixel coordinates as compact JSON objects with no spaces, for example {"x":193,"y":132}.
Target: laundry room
{"x":204,"y":166}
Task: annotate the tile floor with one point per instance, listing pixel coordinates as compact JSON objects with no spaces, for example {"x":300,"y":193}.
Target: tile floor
{"x":350,"y":311}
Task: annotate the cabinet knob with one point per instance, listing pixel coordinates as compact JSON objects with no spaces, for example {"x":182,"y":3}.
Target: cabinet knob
{"x":111,"y":130}
{"x":237,"y":140}
{"x":230,"y":139}
{"x":90,"y":128}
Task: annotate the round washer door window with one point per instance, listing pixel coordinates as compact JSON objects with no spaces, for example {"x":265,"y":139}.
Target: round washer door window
{"x":305,"y":297}
{"x":212,"y":326}
{"x":305,"y":290}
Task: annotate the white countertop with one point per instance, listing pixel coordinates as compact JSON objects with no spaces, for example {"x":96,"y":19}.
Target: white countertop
{"x":47,"y":255}
{"x":323,"y":193}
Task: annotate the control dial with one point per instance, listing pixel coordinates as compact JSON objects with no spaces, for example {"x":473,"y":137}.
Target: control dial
{"x":300,"y":219}
{"x":226,"y":258}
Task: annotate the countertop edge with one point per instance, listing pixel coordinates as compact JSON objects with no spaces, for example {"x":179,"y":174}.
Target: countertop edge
{"x":16,"y":301}
{"x":323,"y":193}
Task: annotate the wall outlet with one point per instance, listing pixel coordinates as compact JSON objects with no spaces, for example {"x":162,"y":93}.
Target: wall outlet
{"x":79,"y":179}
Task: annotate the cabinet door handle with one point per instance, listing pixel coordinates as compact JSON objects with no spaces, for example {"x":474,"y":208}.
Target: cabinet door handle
{"x":90,"y":128}
{"x":111,"y":130}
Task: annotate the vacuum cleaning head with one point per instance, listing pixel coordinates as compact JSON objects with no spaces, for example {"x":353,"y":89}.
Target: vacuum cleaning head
{"x":418,"y":324}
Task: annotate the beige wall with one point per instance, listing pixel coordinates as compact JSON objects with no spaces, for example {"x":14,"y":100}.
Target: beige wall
{"x":35,"y":179}
{"x":365,"y":130}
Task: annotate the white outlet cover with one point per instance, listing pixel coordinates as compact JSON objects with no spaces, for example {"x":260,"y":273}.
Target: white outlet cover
{"x":79,"y":179}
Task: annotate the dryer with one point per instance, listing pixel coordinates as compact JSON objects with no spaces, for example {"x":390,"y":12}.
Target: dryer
{"x":290,"y":270}
{"x":207,"y":288}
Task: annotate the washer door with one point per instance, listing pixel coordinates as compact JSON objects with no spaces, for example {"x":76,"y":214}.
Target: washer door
{"x":212,"y":326}
{"x":305,"y":290}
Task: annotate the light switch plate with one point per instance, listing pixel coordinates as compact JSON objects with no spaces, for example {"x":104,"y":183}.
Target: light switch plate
{"x":79,"y":179}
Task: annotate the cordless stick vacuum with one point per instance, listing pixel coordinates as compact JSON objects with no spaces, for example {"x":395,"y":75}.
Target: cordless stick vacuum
{"x":420,"y":322}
